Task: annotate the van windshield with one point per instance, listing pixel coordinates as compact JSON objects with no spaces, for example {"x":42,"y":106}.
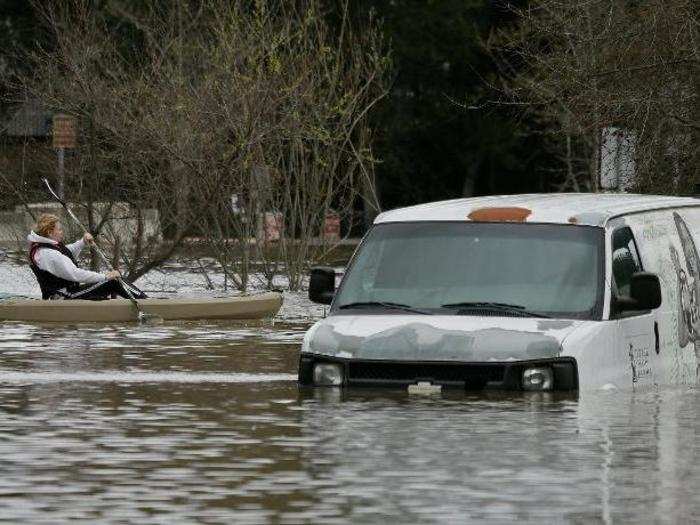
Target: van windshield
{"x":458,"y":268}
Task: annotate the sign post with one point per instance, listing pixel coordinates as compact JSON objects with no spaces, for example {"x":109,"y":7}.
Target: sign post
{"x":64,"y":137}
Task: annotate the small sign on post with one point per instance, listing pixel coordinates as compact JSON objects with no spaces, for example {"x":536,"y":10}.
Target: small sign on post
{"x":331,"y":227}
{"x":64,"y":137}
{"x":273,"y":224}
{"x":64,"y":131}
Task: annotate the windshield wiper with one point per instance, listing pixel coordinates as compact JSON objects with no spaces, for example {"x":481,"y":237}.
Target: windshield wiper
{"x":480,"y":304}
{"x":504,"y":307}
{"x":384,"y":304}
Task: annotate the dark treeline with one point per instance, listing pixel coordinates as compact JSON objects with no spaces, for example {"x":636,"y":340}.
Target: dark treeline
{"x":433,"y":139}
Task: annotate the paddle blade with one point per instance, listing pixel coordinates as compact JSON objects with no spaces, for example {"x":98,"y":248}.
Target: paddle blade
{"x":149,"y":319}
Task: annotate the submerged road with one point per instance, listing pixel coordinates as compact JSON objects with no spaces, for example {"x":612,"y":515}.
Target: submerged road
{"x":204,"y":423}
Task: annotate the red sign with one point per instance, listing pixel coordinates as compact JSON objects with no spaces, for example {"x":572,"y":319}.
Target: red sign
{"x":273,"y":224}
{"x":331,"y":227}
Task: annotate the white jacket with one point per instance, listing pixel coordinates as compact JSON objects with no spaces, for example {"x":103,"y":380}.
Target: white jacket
{"x":56,"y":263}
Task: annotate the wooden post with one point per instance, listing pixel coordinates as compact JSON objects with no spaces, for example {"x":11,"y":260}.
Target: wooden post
{"x":61,"y":153}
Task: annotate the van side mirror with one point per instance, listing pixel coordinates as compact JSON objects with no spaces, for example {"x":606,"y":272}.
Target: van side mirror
{"x":322,"y":285}
{"x":645,"y":293}
{"x":645,"y":288}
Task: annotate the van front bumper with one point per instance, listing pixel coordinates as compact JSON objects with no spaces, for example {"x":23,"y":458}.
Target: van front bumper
{"x":448,"y":374}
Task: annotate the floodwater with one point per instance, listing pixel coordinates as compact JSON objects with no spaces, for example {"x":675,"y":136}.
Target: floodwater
{"x":203,"y":423}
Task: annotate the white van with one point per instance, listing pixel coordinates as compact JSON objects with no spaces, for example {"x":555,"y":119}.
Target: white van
{"x":521,"y":292}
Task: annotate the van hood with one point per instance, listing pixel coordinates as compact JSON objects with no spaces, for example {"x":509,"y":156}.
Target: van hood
{"x":438,"y":338}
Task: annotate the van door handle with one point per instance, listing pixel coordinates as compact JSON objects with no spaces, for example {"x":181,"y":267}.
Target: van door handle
{"x":656,"y":337}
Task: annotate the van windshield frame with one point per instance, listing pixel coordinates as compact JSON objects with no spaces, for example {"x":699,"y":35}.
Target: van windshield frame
{"x":587,"y":240}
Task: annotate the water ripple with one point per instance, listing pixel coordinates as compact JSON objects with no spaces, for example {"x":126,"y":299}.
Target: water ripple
{"x":112,"y":376}
{"x":204,"y":423}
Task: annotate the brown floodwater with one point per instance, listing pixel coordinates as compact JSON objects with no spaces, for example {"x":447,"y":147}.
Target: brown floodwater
{"x":204,"y":423}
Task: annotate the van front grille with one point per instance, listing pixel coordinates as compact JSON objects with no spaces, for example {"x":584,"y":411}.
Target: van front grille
{"x":393,"y":373}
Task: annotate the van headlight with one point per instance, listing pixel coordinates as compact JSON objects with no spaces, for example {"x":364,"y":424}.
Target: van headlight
{"x":538,"y":378}
{"x":328,"y":374}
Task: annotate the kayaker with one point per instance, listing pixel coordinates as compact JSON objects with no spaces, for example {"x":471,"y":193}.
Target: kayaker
{"x":56,"y":268}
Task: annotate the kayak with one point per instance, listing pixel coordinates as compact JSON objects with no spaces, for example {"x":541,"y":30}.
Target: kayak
{"x":123,"y":310}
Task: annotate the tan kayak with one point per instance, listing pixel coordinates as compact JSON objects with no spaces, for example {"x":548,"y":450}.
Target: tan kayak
{"x":123,"y":310}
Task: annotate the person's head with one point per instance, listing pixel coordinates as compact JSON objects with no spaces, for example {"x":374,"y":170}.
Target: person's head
{"x":49,"y":226}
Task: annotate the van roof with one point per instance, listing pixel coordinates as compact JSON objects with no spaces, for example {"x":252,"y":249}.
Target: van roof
{"x":591,"y":209}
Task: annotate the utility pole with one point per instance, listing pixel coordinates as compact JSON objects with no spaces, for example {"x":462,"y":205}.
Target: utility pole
{"x":695,"y":109}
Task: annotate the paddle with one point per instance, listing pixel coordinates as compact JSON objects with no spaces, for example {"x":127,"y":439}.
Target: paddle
{"x":142,"y":316}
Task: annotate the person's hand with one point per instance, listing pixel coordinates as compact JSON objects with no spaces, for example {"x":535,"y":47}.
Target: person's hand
{"x":88,"y":238}
{"x":112,"y":274}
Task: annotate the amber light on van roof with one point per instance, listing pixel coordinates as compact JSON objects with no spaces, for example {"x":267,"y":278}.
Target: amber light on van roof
{"x":509,"y":214}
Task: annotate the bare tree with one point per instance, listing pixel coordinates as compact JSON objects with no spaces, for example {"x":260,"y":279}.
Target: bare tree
{"x":605,"y":72}
{"x":188,"y":112}
{"x":302,"y":93}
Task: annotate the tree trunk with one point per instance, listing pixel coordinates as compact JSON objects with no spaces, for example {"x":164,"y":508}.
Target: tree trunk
{"x":695,"y":130}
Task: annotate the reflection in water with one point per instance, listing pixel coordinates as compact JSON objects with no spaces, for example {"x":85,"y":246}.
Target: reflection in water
{"x":140,"y":377}
{"x":204,"y":423}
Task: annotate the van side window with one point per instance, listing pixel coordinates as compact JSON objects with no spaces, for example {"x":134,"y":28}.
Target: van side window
{"x":625,"y":259}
